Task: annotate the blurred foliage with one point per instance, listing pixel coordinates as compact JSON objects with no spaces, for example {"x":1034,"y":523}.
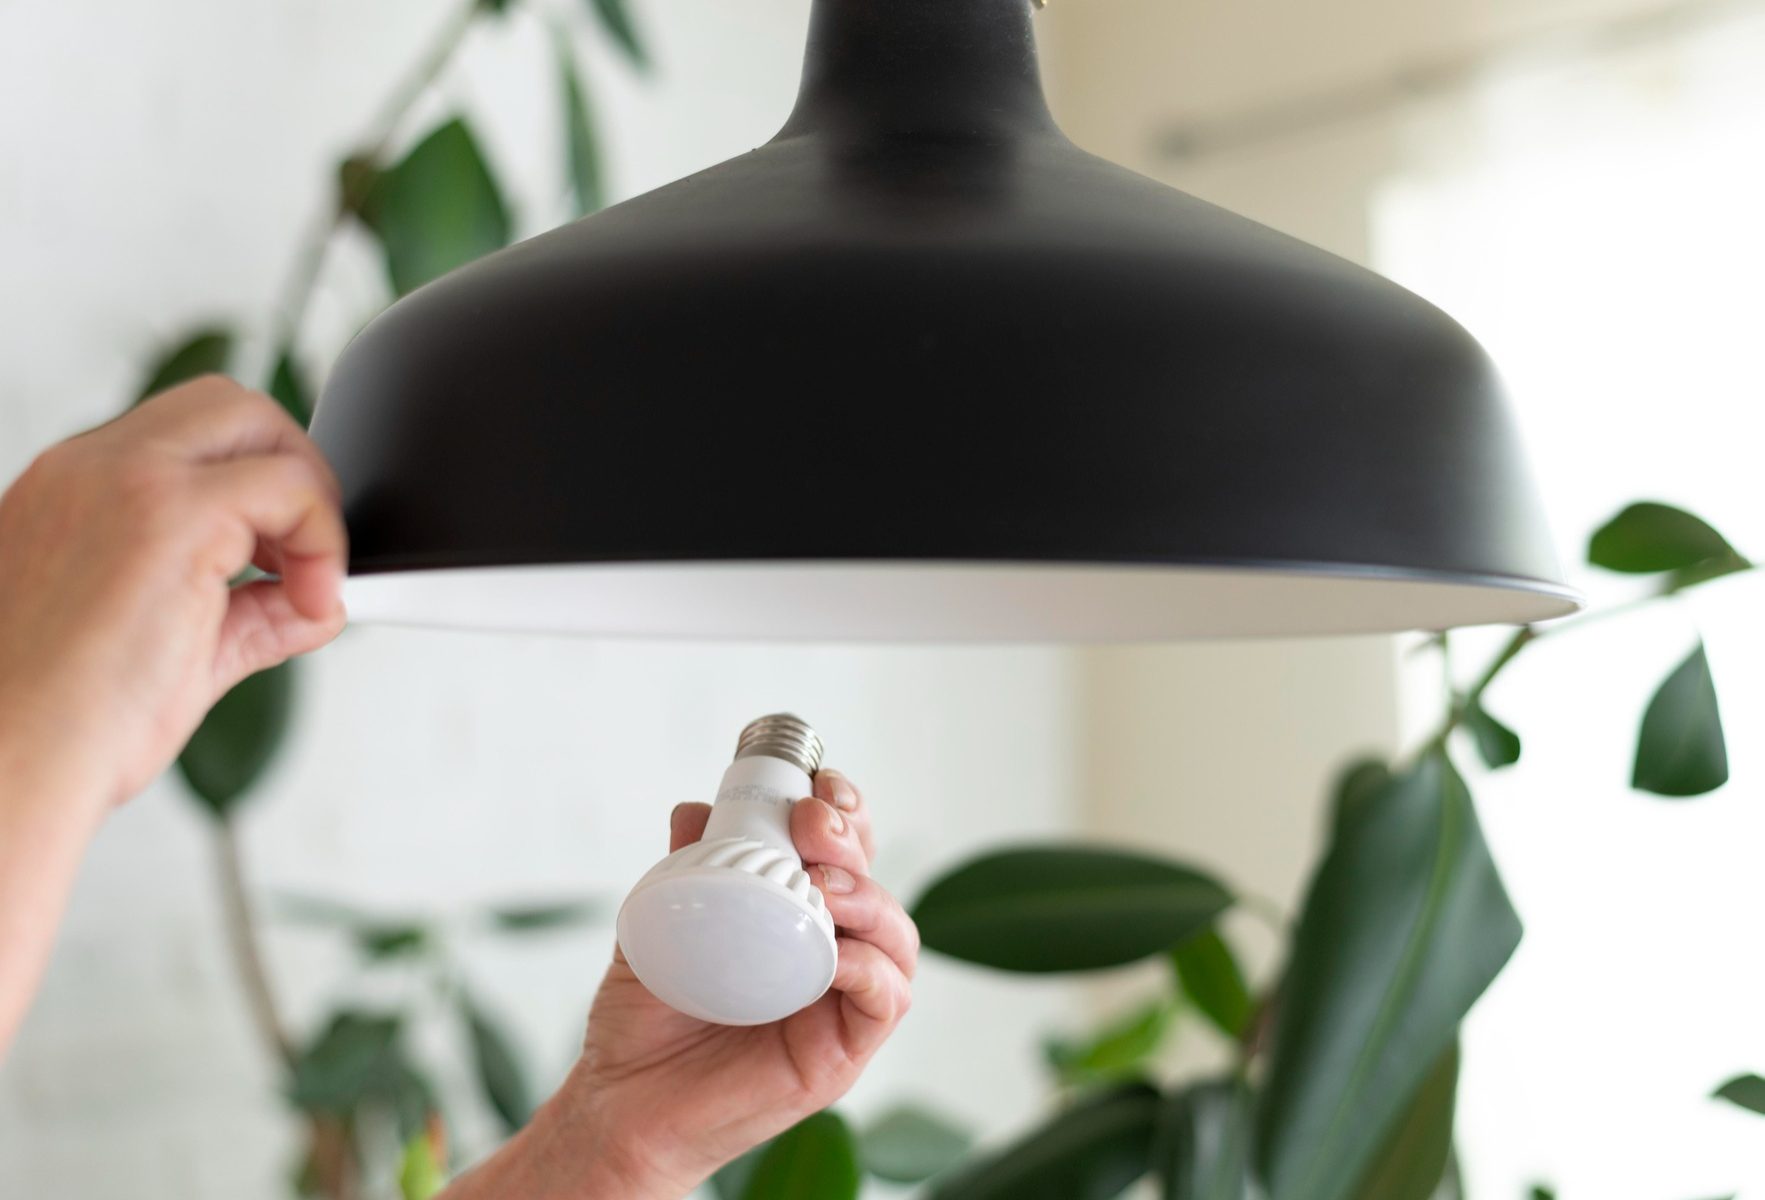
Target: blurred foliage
{"x":1346,"y":1065}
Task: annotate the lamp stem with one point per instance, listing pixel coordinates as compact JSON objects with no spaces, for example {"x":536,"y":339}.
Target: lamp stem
{"x":920,"y":67}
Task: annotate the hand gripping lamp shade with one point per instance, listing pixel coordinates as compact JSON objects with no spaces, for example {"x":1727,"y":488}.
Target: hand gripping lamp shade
{"x":731,"y":929}
{"x":921,"y":369}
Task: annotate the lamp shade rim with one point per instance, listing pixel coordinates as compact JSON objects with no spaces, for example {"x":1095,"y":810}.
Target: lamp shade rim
{"x":947,"y":601}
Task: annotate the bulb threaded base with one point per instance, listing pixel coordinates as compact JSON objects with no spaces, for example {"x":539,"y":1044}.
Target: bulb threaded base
{"x":781,"y":736}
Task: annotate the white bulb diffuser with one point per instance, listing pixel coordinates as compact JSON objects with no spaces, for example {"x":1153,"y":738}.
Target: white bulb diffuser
{"x":731,"y":929}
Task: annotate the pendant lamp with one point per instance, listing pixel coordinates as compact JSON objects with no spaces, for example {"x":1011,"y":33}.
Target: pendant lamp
{"x":921,"y":369}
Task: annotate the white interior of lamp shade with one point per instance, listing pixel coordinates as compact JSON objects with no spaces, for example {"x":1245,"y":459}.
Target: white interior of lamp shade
{"x":940,"y":602}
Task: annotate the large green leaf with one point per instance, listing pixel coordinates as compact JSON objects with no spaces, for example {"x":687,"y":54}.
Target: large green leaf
{"x":498,"y":1067}
{"x":817,"y":1159}
{"x":1117,"y":1052}
{"x":1413,"y":1161}
{"x":1748,"y":1091}
{"x":1649,"y":538}
{"x":1405,"y":925}
{"x":1065,"y":908}
{"x":1092,"y":1151}
{"x":1681,"y":750}
{"x":205,"y":352}
{"x":1213,"y":982}
{"x":615,"y":18}
{"x":438,"y":209}
{"x":238,"y":739}
{"x":1203,"y":1150}
{"x":587,"y":186}
{"x":1358,"y":786}
{"x":1497,"y":745}
{"x":910,"y":1145}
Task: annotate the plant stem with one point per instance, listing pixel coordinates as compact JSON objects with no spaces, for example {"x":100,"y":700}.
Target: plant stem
{"x":309,"y":260}
{"x":241,"y":920}
{"x":1528,"y":634}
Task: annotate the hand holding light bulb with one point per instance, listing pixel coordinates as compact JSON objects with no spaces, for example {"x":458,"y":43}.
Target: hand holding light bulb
{"x":660,"y":1100}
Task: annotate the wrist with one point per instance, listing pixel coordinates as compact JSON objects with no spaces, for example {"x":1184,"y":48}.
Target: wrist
{"x":578,"y":1147}
{"x":41,"y":767}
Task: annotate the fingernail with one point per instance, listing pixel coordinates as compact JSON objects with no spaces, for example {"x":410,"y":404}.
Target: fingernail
{"x":839,"y":820}
{"x":844,"y":794}
{"x":837,"y":880}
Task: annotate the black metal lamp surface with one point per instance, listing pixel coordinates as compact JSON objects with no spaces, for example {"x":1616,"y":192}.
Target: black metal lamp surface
{"x":921,"y":369}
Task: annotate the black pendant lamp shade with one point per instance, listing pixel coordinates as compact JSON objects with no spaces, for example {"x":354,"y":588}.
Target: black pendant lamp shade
{"x":919,"y":368}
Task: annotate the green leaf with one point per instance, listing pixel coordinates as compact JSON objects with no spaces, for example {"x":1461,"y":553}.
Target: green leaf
{"x":583,"y":145}
{"x":615,"y":18}
{"x":1065,"y":908}
{"x":238,"y":739}
{"x":338,"y":1068}
{"x":1093,"y":1150}
{"x":536,"y":917}
{"x":1681,"y":750}
{"x":910,"y":1145}
{"x":1359,"y":784}
{"x":1212,"y":980}
{"x":437,"y":210}
{"x":358,"y":1062}
{"x":1203,"y":1147}
{"x":380,"y":942}
{"x":1748,"y":1091}
{"x":206,"y":352}
{"x":1119,"y":1051}
{"x":817,"y":1159}
{"x":1404,"y":926}
{"x":498,"y":1067}
{"x":1497,"y":745}
{"x":1649,"y":538}
{"x":1540,"y":1192}
{"x":421,"y":1175}
{"x":731,"y":1182}
{"x":289,"y":389}
{"x":1413,"y":1161}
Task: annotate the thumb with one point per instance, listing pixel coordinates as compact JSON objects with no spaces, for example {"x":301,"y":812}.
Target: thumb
{"x":686,"y":825}
{"x":263,"y":628}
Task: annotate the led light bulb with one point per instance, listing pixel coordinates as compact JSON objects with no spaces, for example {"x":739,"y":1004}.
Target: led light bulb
{"x":730,"y":929}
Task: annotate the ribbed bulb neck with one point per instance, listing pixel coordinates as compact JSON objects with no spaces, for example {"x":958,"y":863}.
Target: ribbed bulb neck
{"x":920,"y":67}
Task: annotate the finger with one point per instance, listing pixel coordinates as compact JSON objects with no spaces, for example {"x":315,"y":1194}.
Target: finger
{"x":874,"y":995}
{"x":824,"y":834}
{"x":843,"y":794}
{"x":866,"y":910}
{"x":263,"y":628}
{"x":686,"y":825}
{"x":291,"y":519}
{"x":213,"y":418}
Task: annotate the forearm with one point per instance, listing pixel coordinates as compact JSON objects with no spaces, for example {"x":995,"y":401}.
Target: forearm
{"x":571,"y":1150}
{"x":48,"y":813}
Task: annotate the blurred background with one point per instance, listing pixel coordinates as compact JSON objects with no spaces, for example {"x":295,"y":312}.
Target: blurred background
{"x":1579,"y":181}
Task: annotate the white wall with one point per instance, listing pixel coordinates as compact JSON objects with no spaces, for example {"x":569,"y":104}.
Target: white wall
{"x":160,"y":162}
